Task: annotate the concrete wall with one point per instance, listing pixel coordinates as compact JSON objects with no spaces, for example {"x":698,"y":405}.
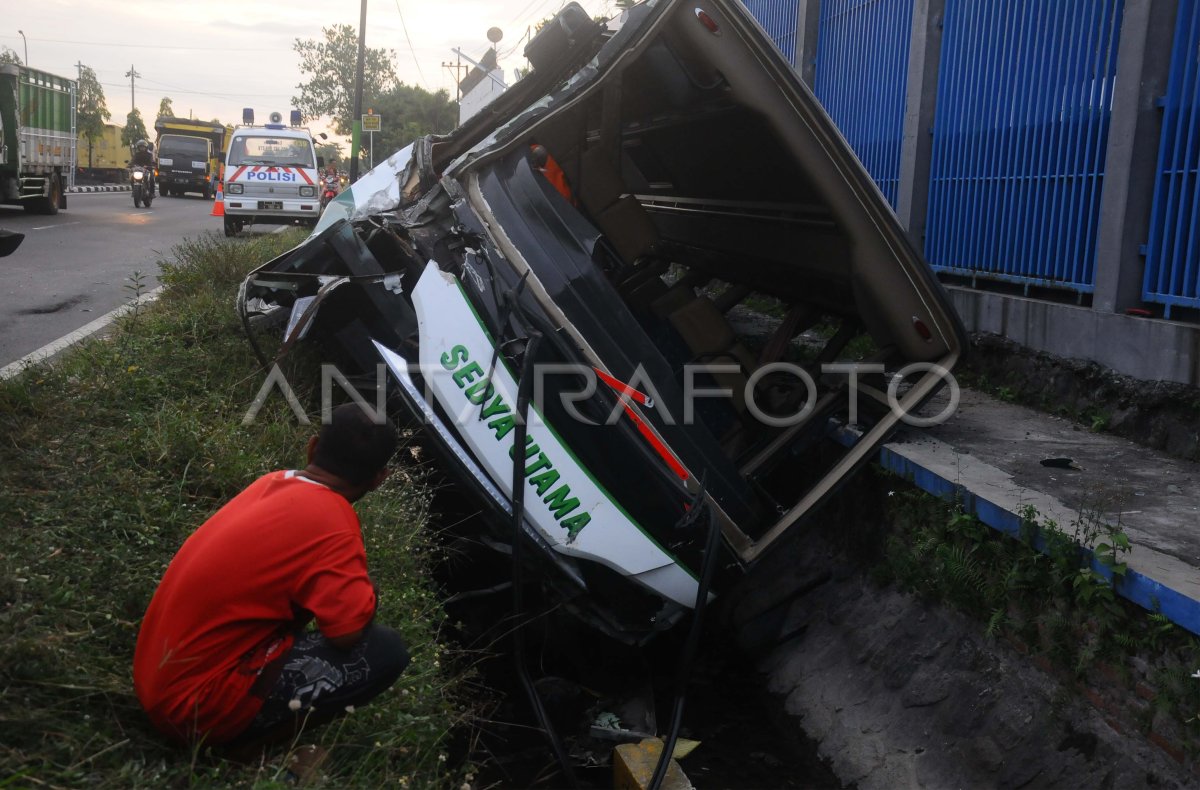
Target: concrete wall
{"x":1145,"y":348}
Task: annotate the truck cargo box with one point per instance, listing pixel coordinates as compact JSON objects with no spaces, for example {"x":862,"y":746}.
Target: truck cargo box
{"x":37,"y":138}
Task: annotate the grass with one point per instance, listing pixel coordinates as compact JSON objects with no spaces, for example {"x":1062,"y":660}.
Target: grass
{"x":109,"y":458}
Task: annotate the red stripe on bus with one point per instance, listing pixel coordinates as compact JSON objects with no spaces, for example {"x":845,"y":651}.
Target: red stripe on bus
{"x":663,"y":451}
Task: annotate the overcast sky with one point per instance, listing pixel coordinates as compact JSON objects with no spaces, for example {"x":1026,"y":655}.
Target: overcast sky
{"x":217,"y":56}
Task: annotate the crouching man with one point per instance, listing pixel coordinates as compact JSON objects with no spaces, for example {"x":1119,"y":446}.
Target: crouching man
{"x":223,"y":656}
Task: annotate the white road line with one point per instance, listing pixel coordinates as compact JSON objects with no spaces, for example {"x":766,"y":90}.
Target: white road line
{"x":59,"y":225}
{"x":86,"y":331}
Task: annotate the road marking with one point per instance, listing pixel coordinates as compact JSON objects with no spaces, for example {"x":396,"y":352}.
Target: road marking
{"x":59,"y":225}
{"x":50,"y":349}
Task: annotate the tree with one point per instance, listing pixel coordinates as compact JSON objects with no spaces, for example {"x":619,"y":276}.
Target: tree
{"x":410,"y":112}
{"x":165,"y":110}
{"x":330,"y":90}
{"x":331,"y":153}
{"x":135,"y":128}
{"x":91,"y":111}
{"x":9,"y":55}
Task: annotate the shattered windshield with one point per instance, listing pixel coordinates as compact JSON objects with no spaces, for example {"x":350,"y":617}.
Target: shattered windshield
{"x":254,"y":150}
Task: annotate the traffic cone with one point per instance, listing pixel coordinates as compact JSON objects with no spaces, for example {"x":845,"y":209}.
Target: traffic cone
{"x":218,"y":204}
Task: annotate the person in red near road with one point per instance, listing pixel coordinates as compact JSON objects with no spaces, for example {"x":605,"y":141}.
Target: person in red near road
{"x":223,"y":655}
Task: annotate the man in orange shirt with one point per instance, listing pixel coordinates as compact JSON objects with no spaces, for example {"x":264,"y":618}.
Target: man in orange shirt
{"x":222,"y":655}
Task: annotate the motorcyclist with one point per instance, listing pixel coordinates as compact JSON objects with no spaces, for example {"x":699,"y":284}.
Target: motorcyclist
{"x":143,"y":157}
{"x":330,"y":179}
{"x":330,"y":183}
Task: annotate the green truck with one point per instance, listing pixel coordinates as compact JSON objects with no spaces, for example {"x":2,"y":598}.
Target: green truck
{"x":187,"y":152}
{"x":37,"y":138}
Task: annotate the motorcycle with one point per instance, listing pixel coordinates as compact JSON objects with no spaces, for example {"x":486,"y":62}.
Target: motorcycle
{"x":330,"y":186}
{"x":141,"y":182}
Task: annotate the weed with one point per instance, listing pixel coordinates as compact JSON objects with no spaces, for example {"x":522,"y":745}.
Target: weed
{"x":1100,"y":421}
{"x":1046,"y":589}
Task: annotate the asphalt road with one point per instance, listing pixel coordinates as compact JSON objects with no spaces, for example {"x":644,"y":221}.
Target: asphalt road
{"x":75,"y":266}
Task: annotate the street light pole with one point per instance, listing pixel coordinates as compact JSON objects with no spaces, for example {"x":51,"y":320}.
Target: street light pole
{"x":22,"y":32}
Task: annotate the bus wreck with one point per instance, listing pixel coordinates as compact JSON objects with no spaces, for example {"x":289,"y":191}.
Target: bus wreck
{"x":552,"y":290}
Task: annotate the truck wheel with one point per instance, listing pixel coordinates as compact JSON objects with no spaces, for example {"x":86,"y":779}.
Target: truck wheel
{"x":164,"y":190}
{"x":48,"y":204}
{"x":232,"y":226}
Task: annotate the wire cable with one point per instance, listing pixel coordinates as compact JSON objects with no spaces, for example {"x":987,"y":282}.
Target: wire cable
{"x":411,"y":50}
{"x":518,"y":512}
{"x":159,"y":46}
{"x":693,"y":640}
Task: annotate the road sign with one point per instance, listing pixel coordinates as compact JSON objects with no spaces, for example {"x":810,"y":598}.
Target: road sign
{"x":372,"y":123}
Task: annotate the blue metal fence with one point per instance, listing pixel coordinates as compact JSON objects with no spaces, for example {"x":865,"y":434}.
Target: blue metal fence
{"x":862,"y":79}
{"x":1019,"y":137}
{"x":779,"y":18}
{"x":1172,"y":254}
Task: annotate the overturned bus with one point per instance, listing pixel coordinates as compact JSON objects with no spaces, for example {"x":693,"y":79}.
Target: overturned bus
{"x":649,"y":289}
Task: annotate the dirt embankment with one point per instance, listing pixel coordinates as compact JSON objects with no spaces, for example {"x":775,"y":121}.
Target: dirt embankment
{"x":1158,"y":414}
{"x":897,"y":692}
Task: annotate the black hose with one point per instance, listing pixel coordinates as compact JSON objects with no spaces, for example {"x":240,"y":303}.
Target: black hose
{"x":518,"y":514}
{"x":690,"y":646}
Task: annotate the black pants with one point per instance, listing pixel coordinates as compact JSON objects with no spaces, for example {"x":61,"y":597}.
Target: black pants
{"x":314,"y":682}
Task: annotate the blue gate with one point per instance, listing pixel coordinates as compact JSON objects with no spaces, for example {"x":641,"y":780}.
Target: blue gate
{"x":1024,"y":98}
{"x":862,"y":79}
{"x":779,"y":18}
{"x":1172,"y":255}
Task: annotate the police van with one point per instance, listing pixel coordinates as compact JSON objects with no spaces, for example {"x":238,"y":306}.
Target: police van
{"x":271,"y":174}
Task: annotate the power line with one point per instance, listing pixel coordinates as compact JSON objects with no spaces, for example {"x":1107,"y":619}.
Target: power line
{"x":229,"y":96}
{"x":159,"y":46}
{"x":412,"y":51}
{"x":524,"y":10}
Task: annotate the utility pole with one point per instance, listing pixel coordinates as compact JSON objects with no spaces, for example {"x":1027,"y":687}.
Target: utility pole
{"x":356,"y":119}
{"x":457,"y":68}
{"x":133,"y":75}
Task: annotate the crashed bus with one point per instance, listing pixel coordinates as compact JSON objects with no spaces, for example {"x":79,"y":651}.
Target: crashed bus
{"x":554,"y":292}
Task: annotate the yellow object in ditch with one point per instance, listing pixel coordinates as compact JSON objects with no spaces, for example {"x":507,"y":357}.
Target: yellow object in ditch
{"x":634,"y":764}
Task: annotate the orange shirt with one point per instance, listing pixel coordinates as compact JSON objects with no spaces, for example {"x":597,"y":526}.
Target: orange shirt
{"x":555,"y":175}
{"x":229,"y":601}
